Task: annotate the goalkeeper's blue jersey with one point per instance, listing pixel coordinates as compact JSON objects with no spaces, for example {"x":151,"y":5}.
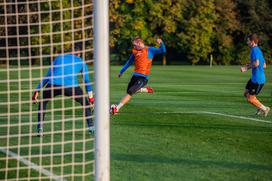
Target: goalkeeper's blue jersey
{"x":64,"y":72}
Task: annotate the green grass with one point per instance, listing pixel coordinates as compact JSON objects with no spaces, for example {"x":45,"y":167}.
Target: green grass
{"x":56,"y":130}
{"x":150,"y":143}
{"x":163,"y":136}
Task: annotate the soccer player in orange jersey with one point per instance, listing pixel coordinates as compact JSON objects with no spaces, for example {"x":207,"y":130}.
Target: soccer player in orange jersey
{"x":142,"y":57}
{"x":255,"y":84}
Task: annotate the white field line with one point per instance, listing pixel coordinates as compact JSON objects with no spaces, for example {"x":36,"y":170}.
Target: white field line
{"x":219,"y":114}
{"x":32,"y":165}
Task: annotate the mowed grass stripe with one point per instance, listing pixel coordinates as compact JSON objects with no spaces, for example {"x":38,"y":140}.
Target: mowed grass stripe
{"x":162,"y":137}
{"x":147,"y":146}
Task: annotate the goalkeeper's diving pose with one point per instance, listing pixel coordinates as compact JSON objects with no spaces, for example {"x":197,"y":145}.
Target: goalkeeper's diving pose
{"x":142,"y":57}
{"x":61,"y":79}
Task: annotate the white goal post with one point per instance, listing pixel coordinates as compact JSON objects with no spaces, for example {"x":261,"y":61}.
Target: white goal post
{"x":101,"y":57}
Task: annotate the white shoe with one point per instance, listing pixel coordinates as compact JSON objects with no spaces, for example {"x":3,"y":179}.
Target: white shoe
{"x":266,"y":111}
{"x":40,"y":132}
{"x":114,"y":109}
{"x":91,"y":130}
{"x":259,"y":112}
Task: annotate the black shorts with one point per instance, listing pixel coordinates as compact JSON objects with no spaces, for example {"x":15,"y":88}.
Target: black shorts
{"x":135,"y":84}
{"x":76,"y":93}
{"x":253,"y":88}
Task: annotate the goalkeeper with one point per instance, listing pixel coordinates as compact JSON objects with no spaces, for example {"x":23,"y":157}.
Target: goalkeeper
{"x":61,"y":79}
{"x":142,"y":56}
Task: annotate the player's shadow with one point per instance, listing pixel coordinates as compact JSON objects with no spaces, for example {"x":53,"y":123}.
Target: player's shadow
{"x":188,"y":162}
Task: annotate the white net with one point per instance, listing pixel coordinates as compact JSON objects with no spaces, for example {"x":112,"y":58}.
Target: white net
{"x":32,"y":35}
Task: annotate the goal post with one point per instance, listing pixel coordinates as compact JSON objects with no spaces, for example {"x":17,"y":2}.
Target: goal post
{"x":101,"y":61}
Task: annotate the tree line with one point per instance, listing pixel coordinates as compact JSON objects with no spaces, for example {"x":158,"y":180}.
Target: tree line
{"x":193,"y":31}
{"x":37,"y":31}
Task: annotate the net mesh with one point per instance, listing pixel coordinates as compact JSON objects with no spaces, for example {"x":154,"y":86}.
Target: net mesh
{"x":32,"y":35}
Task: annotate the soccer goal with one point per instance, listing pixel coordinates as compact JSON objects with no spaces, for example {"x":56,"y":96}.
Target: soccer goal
{"x":32,"y":35}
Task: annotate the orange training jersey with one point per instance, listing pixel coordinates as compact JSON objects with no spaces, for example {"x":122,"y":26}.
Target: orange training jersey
{"x":142,"y":63}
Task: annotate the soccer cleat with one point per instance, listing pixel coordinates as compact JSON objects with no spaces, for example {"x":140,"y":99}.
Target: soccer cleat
{"x":40,"y":132}
{"x":149,"y":90}
{"x":266,"y":111}
{"x":114,"y":109}
{"x":259,"y":112}
{"x":91,"y":129}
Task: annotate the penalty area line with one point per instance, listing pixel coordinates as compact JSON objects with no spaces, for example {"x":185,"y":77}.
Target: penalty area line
{"x":32,"y":165}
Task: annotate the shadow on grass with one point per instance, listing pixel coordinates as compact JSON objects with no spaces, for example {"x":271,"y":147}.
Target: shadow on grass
{"x":187,"y":162}
{"x":197,"y":125}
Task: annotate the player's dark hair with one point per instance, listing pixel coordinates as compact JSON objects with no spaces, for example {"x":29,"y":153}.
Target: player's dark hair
{"x":254,"y":37}
{"x":76,"y":49}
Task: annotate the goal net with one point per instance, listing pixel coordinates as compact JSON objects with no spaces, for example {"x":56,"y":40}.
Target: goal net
{"x":32,"y":35}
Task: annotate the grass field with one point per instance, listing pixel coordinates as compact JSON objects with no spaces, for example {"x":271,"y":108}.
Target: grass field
{"x":169,"y":135}
{"x":196,"y":126}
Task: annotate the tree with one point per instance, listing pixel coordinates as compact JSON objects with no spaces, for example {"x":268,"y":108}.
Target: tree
{"x":226,"y":24}
{"x":199,"y":30}
{"x":256,"y":17}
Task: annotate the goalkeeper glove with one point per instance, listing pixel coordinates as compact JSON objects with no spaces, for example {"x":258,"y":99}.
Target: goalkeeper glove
{"x":35,"y":97}
{"x":91,"y":98}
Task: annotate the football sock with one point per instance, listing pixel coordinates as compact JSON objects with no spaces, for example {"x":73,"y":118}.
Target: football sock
{"x":143,"y":90}
{"x":120,"y":105}
{"x":254,"y":101}
{"x":263,"y":107}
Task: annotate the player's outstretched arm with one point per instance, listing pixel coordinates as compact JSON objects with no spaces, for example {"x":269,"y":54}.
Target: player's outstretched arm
{"x":128,"y":63}
{"x":160,"y":50}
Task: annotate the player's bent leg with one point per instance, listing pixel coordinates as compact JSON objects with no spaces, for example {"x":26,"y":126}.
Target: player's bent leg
{"x":146,"y":90}
{"x":78,"y":96}
{"x":253,"y":100}
{"x":137,"y":85}
{"x":48,"y":93}
{"x":114,"y":109}
{"x":134,"y":86}
{"x":261,"y":108}
{"x":41,"y":115}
